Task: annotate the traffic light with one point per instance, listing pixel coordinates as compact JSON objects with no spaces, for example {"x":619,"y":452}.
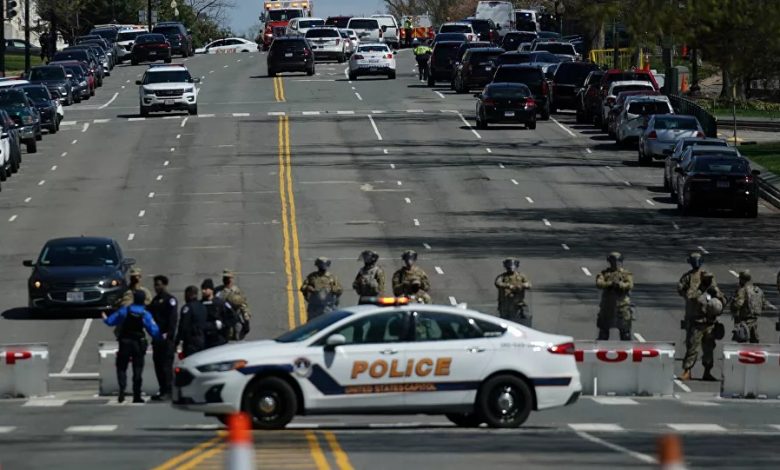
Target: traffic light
{"x":11,"y":9}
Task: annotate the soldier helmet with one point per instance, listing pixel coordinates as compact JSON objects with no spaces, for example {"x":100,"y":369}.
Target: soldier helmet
{"x":615,"y":256}
{"x":695,"y":259}
{"x":228,"y":273}
{"x":745,"y":275}
{"x":369,"y":257}
{"x":135,"y":271}
{"x":511,"y":263}
{"x":207,"y":284}
{"x":322,"y":263}
{"x":409,"y":254}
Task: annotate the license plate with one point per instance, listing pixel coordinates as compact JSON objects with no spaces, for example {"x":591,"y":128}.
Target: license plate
{"x":509,"y":113}
{"x":169,"y":102}
{"x":288,"y":54}
{"x":488,"y":69}
{"x":373,"y":69}
{"x":152,"y":53}
{"x":74,"y":296}
{"x":723,"y":184}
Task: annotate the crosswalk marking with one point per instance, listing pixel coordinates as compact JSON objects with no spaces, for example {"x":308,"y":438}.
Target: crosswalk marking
{"x":93,"y":428}
{"x":696,"y":427}
{"x":615,"y":401}
{"x":596,"y":427}
{"x":44,"y":402}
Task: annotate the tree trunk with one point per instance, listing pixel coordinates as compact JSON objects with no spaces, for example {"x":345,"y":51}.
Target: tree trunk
{"x":725,"y":92}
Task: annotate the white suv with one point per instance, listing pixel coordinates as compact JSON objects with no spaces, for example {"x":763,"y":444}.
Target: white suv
{"x":124,"y":40}
{"x":168,"y":88}
{"x":327,"y":44}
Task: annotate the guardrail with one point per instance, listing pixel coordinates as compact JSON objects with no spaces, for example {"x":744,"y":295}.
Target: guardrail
{"x":769,"y":192}
{"x":685,"y":106}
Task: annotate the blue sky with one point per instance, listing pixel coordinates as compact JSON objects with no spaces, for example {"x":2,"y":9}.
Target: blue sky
{"x":245,"y":13}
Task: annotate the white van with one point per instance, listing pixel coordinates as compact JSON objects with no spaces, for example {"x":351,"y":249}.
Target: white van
{"x":502,"y":14}
{"x":299,"y":26}
{"x":526,"y":20}
{"x":391,"y":31}
{"x":367,"y":29}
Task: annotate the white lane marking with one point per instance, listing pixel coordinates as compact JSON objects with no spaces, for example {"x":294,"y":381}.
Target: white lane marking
{"x":563,"y":127}
{"x":133,"y":119}
{"x":377,"y":111}
{"x":67,"y":123}
{"x":41,"y":182}
{"x":184,"y":121}
{"x":438,"y":269}
{"x":276,"y":113}
{"x":514,"y":181}
{"x":12,"y":218}
{"x":44,"y":402}
{"x":385,"y":151}
{"x":733,"y":273}
{"x":620,"y":449}
{"x":345,"y":112}
{"x":173,"y":149}
{"x":311,"y":113}
{"x":225,"y":66}
{"x":415,"y":111}
{"x":589,"y":150}
{"x":211,"y":71}
{"x":627,"y":183}
{"x":127,"y":81}
{"x":684,"y":387}
{"x":392,"y":166}
{"x":76,"y":347}
{"x":86,"y":126}
{"x":54,"y":168}
{"x":468,"y":125}
{"x":488,"y":150}
{"x":440,"y":95}
{"x":676,"y":227}
{"x":130,"y":237}
{"x":615,"y":401}
{"x":151,"y":195}
{"x":159,"y":177}
{"x":501,"y":165}
{"x":95,"y":428}
{"x":639,"y":338}
{"x":354,"y":88}
{"x":200,"y":116}
{"x":240,"y":114}
{"x":376,"y":129}
{"x":75,"y":141}
{"x":123,"y":87}
{"x":701,"y":248}
{"x":530,"y":201}
{"x":649,"y":202}
{"x":608,"y":168}
{"x":141,"y":213}
{"x":546,"y":222}
{"x":7,"y":429}
{"x":416,"y":222}
{"x":171,"y":117}
{"x":358,"y":96}
{"x":100,"y":121}
{"x":453,"y":301}
{"x":407,"y":200}
{"x":565,"y":246}
{"x":696,"y":427}
{"x":108,"y":103}
{"x":64,"y":154}
{"x":400,"y":183}
{"x":178,"y":136}
{"x":166,"y":163}
{"x":426,"y":246}
{"x":28,"y":199}
{"x":698,"y":403}
{"x":586,"y":271}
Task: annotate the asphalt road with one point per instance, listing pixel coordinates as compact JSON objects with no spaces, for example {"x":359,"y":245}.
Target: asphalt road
{"x":371,"y":164}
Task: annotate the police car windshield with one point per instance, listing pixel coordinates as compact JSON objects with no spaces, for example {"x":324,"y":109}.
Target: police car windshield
{"x":313,"y":327}
{"x":172,"y":76}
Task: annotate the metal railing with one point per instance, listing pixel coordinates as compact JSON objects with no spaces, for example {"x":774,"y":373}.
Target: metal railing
{"x":685,"y":106}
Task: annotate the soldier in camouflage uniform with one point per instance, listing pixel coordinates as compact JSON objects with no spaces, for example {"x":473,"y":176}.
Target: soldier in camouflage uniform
{"x":707,"y":306}
{"x":511,"y":287}
{"x":321,"y":290}
{"x":747,"y":305}
{"x":404,"y":278}
{"x":135,"y":285}
{"x":418,"y":295}
{"x":370,"y":279}
{"x":615,"y":309}
{"x":230,"y":293}
{"x":688,"y":288}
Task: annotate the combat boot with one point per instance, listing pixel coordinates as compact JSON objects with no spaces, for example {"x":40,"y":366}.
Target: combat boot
{"x":708,"y":376}
{"x":121,"y":398}
{"x":686,"y":375}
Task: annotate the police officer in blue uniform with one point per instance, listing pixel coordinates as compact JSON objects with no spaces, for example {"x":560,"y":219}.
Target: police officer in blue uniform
{"x":131,"y":321}
{"x":192,"y":323}
{"x":164,"y":311}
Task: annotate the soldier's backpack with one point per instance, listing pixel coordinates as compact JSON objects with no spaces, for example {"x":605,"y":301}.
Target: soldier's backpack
{"x":755,"y":300}
{"x":366,"y":282}
{"x":740,"y":334}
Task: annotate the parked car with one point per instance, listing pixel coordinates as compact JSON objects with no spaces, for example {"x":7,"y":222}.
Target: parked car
{"x":327,"y":44}
{"x":299,"y":26}
{"x":567,"y":81}
{"x":150,"y":48}
{"x":178,"y":37}
{"x":513,"y":39}
{"x":476,"y":68}
{"x":449,"y":37}
{"x":55,"y":78}
{"x":290,"y":54}
{"x":464,"y":46}
{"x":609,"y":100}
{"x":533,"y":77}
{"x":633,"y":114}
{"x":84,"y":77}
{"x":615,"y":75}
{"x":9,"y":131}
{"x":367,"y":29}
{"x":46,"y":104}
{"x":441,"y":63}
{"x":18,"y":47}
{"x":485,"y":29}
{"x":661,"y":133}
{"x":588,"y":97}
{"x":565,"y":50}
{"x":513,"y":58}
{"x":26,"y":116}
{"x":718,"y":181}
{"x":82,"y":55}
{"x":673,"y":161}
{"x":125,"y":40}
{"x":390,"y":31}
{"x":506,"y":103}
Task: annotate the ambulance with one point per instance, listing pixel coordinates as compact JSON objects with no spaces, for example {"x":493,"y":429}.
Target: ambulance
{"x":277,"y":14}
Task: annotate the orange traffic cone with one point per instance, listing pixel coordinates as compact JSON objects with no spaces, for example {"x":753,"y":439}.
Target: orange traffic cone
{"x":670,"y":454}
{"x":241,"y":452}
{"x":684,"y":84}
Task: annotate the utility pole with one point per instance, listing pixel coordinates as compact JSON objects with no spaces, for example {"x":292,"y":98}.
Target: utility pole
{"x":149,"y":14}
{"x":2,"y":37}
{"x":26,"y":36}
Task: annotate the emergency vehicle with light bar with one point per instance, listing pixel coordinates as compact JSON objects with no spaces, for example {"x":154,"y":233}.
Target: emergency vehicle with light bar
{"x":277,"y":15}
{"x":386,"y":355}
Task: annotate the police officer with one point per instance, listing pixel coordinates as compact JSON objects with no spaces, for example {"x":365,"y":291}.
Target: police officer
{"x":220,"y":316}
{"x":164,"y":309}
{"x":321,"y":289}
{"x":408,"y":32}
{"x":134,"y":284}
{"x":747,"y":305}
{"x":708,"y":305}
{"x":230,"y":292}
{"x":422,"y":53}
{"x":192,"y":323}
{"x":370,"y":279}
{"x":511,"y":287}
{"x":615,"y":310}
{"x":131,"y":321}
{"x":404,"y":277}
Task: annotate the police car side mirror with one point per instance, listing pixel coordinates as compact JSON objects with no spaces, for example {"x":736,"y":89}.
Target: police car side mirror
{"x":335,"y":340}
{"x":138,"y":82}
{"x":28,"y":263}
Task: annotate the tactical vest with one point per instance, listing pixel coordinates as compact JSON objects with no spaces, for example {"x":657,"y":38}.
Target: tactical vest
{"x":133,"y":325}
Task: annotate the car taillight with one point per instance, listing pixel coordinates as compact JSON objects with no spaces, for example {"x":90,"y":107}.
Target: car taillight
{"x":489,"y":102}
{"x":611,"y":101}
{"x":358,"y":57}
{"x":652,"y":135}
{"x":563,"y":348}
{"x":389,"y":56}
{"x":545,"y":88}
{"x":700,"y":134}
{"x":749,"y":179}
{"x":306,"y":52}
{"x":529,"y":102}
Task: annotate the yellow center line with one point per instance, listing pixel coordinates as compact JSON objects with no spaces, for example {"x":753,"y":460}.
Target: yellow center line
{"x":276,"y":89}
{"x":281,"y":89}
{"x":342,"y":460}
{"x":175,"y":461}
{"x":285,"y":224}
{"x":316,"y":451}
{"x":200,"y":458}
{"x":293,"y":220}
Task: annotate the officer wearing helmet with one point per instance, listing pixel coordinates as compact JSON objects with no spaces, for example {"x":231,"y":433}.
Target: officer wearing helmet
{"x":688,"y":288}
{"x":511,"y":287}
{"x":747,"y":305}
{"x":615,"y":309}
{"x":418,"y":295}
{"x":133,"y":285}
{"x":709,"y":304}
{"x":321,"y":289}
{"x":404,"y":279}
{"x":370,"y":279}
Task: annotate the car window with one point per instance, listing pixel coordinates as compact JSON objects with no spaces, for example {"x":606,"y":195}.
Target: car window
{"x":288,"y":45}
{"x":312,"y":327}
{"x":322,"y":33}
{"x":484,"y":58}
{"x":556,"y":48}
{"x":433,"y":326}
{"x":167,"y":30}
{"x":12,"y":98}
{"x":645,"y":108}
{"x":37,"y":92}
{"x":386,"y":327}
{"x":169,"y":76}
{"x":18,"y":43}
{"x":363,"y":24}
{"x":720,"y":165}
{"x":622,"y":88}
{"x":373,"y":48}
{"x":573,"y":73}
{"x":310,"y":23}
{"x":149,"y":38}
{"x":47,"y":73}
{"x":129,"y":35}
{"x":78,"y":255}
{"x":506,"y":92}
{"x":455,"y":28}
{"x":675,"y":123}
{"x":518,"y":75}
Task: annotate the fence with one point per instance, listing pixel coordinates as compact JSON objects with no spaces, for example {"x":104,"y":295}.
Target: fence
{"x":685,"y":106}
{"x":627,"y":58}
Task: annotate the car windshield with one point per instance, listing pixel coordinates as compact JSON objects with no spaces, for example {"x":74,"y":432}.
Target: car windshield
{"x":480,"y":26}
{"x":484,"y":58}
{"x":339,"y":22}
{"x":645,"y":108}
{"x":129,"y":35}
{"x":322,"y":33}
{"x":167,"y":30}
{"x":513,"y":59}
{"x":545,"y":57}
{"x":455,"y":28}
{"x":168,"y":76}
{"x":374,"y":48}
{"x":517,"y":75}
{"x":109,"y":33}
{"x":721,"y":165}
{"x":37,"y":93}
{"x":12,"y":98}
{"x":284,"y":14}
{"x":619,"y":89}
{"x":363,"y":24}
{"x":573,"y":73}
{"x":556,"y":48}
{"x":47,"y":73}
{"x":75,"y":70}
{"x":81,"y":254}
{"x":71,"y":55}
{"x":508,"y":92}
{"x":624,"y":76}
{"x":311,"y":23}
{"x":312,"y":327}
{"x":677,"y":122}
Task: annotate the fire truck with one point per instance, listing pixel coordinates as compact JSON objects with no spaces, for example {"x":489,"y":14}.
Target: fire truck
{"x":422,"y":27}
{"x":277,"y":13}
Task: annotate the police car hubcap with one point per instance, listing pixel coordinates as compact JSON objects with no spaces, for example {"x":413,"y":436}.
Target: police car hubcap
{"x":268,"y":404}
{"x":506,"y":400}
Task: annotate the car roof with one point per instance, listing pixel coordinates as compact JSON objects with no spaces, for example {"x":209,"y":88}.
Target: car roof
{"x":618,"y":83}
{"x":520,"y":66}
{"x":456,"y":23}
{"x":486,"y":49}
{"x":166,"y":68}
{"x":506,"y":85}
{"x":79,"y":240}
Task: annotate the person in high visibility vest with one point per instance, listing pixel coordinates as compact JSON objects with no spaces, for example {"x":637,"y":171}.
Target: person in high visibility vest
{"x":422,"y":54}
{"x":408,"y":32}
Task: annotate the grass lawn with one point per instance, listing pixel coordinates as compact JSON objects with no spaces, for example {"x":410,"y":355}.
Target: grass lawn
{"x":15,"y":63}
{"x":766,"y":155}
{"x":724,"y":114}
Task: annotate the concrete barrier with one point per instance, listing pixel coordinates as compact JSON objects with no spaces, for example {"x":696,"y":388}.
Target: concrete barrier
{"x":751,"y":371}
{"x":24,"y":370}
{"x":625,"y":368}
{"x":107,"y":368}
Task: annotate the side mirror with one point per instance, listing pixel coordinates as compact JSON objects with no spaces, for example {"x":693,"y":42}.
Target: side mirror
{"x":755,"y":172}
{"x":4,"y":135}
{"x":477,"y":95}
{"x":27,"y":262}
{"x":128,"y":261}
{"x":335,"y":340}
{"x":138,"y":82}
{"x":384,"y":28}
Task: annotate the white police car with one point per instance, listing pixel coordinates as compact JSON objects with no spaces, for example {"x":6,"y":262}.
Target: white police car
{"x":167,"y":87}
{"x":388,"y":357}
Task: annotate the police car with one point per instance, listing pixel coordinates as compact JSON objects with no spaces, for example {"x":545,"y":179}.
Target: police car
{"x":168,"y":87}
{"x":386,"y":357}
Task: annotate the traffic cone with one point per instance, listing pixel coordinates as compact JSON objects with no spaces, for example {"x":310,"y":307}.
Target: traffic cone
{"x":670,"y":455}
{"x":684,"y":84}
{"x":241,"y":452}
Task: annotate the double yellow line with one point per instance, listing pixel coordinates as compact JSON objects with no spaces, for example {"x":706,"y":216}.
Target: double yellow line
{"x":196,"y":455}
{"x":317,"y":454}
{"x":279,"y":89}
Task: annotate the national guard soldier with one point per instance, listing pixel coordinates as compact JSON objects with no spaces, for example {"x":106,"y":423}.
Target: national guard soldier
{"x":708,"y":305}
{"x":164,"y":310}
{"x":230,"y":293}
{"x":404,"y":277}
{"x":135,"y":285}
{"x":192,"y":323}
{"x":747,"y":305}
{"x":417,"y":295}
{"x":221,"y":319}
{"x":130,"y":322}
{"x":615,"y":309}
{"x":688,"y":288}
{"x":370,"y":279}
{"x":511,"y":287}
{"x":321,"y":289}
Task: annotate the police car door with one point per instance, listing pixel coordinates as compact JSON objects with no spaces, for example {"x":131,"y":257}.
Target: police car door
{"x":449,"y":354}
{"x":367,"y":371}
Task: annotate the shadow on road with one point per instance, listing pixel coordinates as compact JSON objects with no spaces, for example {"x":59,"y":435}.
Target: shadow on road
{"x":25,"y":313}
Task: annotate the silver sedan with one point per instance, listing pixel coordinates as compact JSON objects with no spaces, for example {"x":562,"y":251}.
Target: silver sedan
{"x":660,"y":135}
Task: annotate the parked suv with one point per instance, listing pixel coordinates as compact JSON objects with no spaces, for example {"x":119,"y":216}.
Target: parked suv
{"x":178,"y":36}
{"x":55,"y":78}
{"x":567,"y":81}
{"x":533,"y":77}
{"x":327,"y":44}
{"x":441,"y":63}
{"x":290,"y":54}
{"x":26,"y":116}
{"x":476,"y":68}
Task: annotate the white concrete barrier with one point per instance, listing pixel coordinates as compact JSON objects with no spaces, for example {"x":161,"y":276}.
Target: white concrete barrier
{"x":751,"y":371}
{"x":24,"y":370}
{"x":107,"y":367}
{"x":625,"y":368}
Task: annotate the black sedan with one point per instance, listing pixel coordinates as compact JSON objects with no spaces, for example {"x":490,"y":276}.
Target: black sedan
{"x":149,"y":48}
{"x":46,"y":105}
{"x":506,"y":103}
{"x":713,"y":181}
{"x":79,"y":273}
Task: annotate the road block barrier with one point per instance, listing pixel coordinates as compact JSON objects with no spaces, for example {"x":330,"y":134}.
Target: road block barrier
{"x":109,"y":385}
{"x":625,"y":368}
{"x":24,"y":370}
{"x":751,"y":371}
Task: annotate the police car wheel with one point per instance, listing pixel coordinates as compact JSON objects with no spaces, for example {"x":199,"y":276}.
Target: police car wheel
{"x":464,"y":420}
{"x":271,"y":401}
{"x":504,"y":401}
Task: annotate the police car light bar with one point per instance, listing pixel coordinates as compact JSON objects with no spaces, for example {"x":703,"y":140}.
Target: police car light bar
{"x":154,"y":66}
{"x":383,"y":301}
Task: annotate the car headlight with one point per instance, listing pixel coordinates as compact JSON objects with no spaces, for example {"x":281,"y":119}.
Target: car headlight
{"x":189,"y":90}
{"x":61,"y":88}
{"x":27,"y":119}
{"x":37,"y":284}
{"x":148,"y":92}
{"x":222,"y":366}
{"x":84,"y":83}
